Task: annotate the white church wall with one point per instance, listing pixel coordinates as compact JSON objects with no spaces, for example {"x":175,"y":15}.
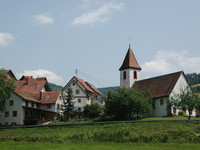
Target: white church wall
{"x":180,"y":85}
{"x":160,"y":108}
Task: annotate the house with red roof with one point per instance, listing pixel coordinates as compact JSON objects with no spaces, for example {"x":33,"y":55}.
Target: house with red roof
{"x":162,"y":87}
{"x":84,"y":93}
{"x":32,"y":102}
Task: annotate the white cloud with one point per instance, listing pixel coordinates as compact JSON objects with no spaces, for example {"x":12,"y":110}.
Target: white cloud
{"x":168,"y":61}
{"x":44,"y":18}
{"x":99,"y":15}
{"x":51,"y":77}
{"x":5,"y":38}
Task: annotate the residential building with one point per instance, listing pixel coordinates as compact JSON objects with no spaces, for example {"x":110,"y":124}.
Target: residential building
{"x":32,"y":102}
{"x":84,"y":93}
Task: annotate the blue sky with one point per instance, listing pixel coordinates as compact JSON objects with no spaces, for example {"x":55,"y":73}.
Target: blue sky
{"x":53,"y":38}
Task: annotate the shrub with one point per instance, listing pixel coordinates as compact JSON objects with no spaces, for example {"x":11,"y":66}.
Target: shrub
{"x":182,"y":113}
{"x":92,"y":111}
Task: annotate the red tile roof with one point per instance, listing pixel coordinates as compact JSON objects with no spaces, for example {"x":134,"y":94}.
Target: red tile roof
{"x":160,"y":86}
{"x":84,"y":85}
{"x":50,"y":97}
{"x":93,"y":88}
{"x":130,"y":61}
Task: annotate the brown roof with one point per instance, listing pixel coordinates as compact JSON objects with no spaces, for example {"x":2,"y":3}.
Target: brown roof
{"x":130,"y":61}
{"x":93,"y":88}
{"x":160,"y":86}
{"x":84,"y":85}
{"x":50,"y":97}
{"x":10,"y":74}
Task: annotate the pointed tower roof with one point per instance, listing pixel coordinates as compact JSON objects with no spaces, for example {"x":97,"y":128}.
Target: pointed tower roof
{"x":130,"y":61}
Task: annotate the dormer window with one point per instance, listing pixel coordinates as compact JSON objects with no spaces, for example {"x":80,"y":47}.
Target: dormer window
{"x":47,"y":97}
{"x":124,"y":75}
{"x":19,"y":84}
{"x":32,"y":83}
{"x":135,"y":75}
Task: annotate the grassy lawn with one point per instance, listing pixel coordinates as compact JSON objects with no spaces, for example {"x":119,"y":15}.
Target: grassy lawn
{"x":96,"y":146}
{"x":171,"y":118}
{"x":153,"y":132}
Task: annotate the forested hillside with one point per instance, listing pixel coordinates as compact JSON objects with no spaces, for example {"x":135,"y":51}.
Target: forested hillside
{"x":55,"y":87}
{"x":105,"y":90}
{"x":193,"y":78}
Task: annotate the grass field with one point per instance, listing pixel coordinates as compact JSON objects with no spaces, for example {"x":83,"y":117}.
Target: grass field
{"x":154,"y":132}
{"x":96,"y":146}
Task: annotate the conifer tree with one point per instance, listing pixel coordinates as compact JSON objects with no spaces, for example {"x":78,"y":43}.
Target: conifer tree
{"x":68,"y":105}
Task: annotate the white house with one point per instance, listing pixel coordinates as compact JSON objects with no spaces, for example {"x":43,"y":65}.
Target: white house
{"x":31,"y":102}
{"x":162,"y":87}
{"x":83,"y":93}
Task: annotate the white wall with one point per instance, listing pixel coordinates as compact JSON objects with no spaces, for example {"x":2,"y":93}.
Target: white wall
{"x":17,"y":106}
{"x":82,"y":95}
{"x":180,"y":85}
{"x":160,"y":110}
{"x":128,"y":82}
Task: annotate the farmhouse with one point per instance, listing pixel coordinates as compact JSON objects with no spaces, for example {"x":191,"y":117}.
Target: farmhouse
{"x":83,"y":93}
{"x":31,"y":102}
{"x":162,"y":87}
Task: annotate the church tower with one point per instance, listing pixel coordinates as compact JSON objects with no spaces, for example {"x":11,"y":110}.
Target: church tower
{"x":130,"y":70}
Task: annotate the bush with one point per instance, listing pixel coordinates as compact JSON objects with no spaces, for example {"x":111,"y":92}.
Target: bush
{"x":182,"y":113}
{"x":92,"y":111}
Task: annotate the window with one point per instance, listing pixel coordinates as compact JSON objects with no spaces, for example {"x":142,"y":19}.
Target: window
{"x":47,"y":97}
{"x":11,"y":102}
{"x":124,"y":75}
{"x":58,"y":106}
{"x":6,"y":114}
{"x":32,"y":104}
{"x":73,"y":83}
{"x":60,"y":97}
{"x":48,"y":106}
{"x":26,"y":103}
{"x":77,"y":91}
{"x":61,"y":106}
{"x":37,"y":105}
{"x":19,"y":84}
{"x":79,"y":100}
{"x":13,"y":123}
{"x":0,"y":124}
{"x":32,"y":83}
{"x":79,"y":109}
{"x":153,"y":105}
{"x":6,"y":123}
{"x":174,"y":110}
{"x":161,"y":101}
{"x":135,"y":75}
{"x":14,"y":113}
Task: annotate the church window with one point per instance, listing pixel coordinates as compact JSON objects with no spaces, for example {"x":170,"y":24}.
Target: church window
{"x":174,"y":110}
{"x":135,"y":75}
{"x":153,"y":105}
{"x":124,"y":75}
{"x":161,"y":102}
{"x":77,"y":92}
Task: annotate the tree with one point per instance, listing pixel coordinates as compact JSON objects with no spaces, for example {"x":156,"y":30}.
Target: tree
{"x":6,"y":88}
{"x":92,"y":110}
{"x":127,"y":104}
{"x":68,"y":105}
{"x":186,"y":100}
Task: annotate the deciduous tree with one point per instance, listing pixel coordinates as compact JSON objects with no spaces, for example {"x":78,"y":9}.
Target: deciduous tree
{"x":6,"y":88}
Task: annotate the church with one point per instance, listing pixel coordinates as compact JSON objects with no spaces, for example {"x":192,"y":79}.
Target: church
{"x":162,"y":87}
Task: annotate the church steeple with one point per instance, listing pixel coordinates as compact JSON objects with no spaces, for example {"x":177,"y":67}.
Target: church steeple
{"x":130,"y":61}
{"x":130,"y":70}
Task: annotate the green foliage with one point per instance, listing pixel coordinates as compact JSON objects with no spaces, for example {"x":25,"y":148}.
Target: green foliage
{"x":6,"y":88}
{"x":186,"y":100}
{"x":126,"y":104}
{"x":196,"y":89}
{"x":149,"y":132}
{"x":55,"y":87}
{"x":68,"y":105}
{"x":105,"y":90}
{"x":193,"y":78}
{"x":182,"y":113}
{"x":92,"y":111}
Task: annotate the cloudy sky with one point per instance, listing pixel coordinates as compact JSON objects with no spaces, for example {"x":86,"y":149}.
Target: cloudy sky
{"x":54,"y":38}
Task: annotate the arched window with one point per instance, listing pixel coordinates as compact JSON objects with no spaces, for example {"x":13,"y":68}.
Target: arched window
{"x":124,"y":75}
{"x":135,"y":75}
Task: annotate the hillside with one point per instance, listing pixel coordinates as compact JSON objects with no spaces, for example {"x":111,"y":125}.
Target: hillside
{"x":55,"y":87}
{"x":105,"y":90}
